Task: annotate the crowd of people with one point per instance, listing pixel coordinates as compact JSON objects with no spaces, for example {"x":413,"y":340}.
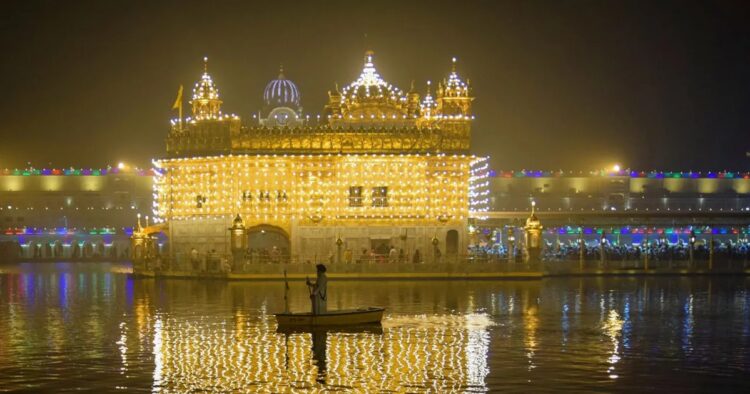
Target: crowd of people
{"x":265,"y":255}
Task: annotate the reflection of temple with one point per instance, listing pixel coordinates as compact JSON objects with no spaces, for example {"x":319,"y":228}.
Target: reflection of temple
{"x":382,"y":168}
{"x":192,"y":355}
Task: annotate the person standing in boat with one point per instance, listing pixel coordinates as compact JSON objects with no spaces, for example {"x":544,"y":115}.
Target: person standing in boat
{"x":319,"y":291}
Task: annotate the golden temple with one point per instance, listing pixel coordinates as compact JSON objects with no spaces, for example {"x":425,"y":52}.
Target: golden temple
{"x":380,"y":170}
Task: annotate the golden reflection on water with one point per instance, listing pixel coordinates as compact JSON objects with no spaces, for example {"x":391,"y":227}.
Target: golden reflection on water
{"x":612,"y":328}
{"x":98,"y":331}
{"x":420,"y":353}
{"x":531,"y":324}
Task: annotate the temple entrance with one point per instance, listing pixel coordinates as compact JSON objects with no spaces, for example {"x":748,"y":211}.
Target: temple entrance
{"x":381,"y":246}
{"x":451,"y":242}
{"x":267,"y":244}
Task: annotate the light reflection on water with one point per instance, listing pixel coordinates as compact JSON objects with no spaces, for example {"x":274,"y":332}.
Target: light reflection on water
{"x":92,"y":326}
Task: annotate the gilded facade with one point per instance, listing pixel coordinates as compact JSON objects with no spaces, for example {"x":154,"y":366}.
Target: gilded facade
{"x":380,"y":169}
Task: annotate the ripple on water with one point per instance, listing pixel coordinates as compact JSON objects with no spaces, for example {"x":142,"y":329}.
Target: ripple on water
{"x":91,"y":326}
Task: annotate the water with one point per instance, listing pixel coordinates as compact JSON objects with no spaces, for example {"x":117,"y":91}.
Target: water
{"x":72,"y":326}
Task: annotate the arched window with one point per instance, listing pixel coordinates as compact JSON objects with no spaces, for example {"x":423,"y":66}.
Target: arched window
{"x":451,"y":242}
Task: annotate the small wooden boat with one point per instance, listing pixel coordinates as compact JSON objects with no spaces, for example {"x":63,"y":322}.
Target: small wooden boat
{"x":370,"y":315}
{"x":369,"y":328}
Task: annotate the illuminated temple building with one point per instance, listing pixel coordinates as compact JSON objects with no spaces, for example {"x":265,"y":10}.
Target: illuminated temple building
{"x":381,"y":168}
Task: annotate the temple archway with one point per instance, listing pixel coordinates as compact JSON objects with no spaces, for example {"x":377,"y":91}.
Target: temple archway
{"x":28,"y":249}
{"x":57,"y":249}
{"x":451,"y":242}
{"x":88,"y":249}
{"x":99,"y":249}
{"x":75,"y":250}
{"x":267,"y":243}
{"x":47,"y":250}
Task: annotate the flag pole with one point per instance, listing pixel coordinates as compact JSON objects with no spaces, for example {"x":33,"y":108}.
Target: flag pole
{"x":180,"y":109}
{"x":178,"y":106}
{"x":180,"y":114}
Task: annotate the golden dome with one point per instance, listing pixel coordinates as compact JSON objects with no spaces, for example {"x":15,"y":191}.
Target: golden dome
{"x":428,"y":104}
{"x":454,"y":86}
{"x":371,"y":98}
{"x":206,"y":102}
{"x":533,"y":221}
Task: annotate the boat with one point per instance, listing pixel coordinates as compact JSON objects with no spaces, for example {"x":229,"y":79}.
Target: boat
{"x":369,"y":328}
{"x":344,"y":317}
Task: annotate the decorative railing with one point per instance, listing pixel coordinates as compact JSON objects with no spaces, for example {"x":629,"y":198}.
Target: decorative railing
{"x":317,"y":140}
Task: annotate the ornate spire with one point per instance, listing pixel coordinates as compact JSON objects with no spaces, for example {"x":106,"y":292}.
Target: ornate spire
{"x":281,"y":71}
{"x":454,"y":96}
{"x":532,"y":220}
{"x":206,"y":102}
{"x":428,"y":102}
{"x":454,"y":86}
{"x":371,"y":99}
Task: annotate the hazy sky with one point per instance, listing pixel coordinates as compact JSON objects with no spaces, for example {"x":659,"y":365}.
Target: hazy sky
{"x":558,"y":84}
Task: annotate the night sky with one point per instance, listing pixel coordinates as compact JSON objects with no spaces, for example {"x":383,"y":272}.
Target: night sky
{"x":559,"y":84}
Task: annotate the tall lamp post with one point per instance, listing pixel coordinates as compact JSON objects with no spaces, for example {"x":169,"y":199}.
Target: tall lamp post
{"x":137,"y":244}
{"x":403,"y":236}
{"x":435,"y":251}
{"x":339,"y":242}
{"x":533,"y":237}
{"x":238,"y":241}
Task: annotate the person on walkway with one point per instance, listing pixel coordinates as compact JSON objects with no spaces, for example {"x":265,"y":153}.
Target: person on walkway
{"x":417,"y":257}
{"x":393,"y":255}
{"x":318,"y":291}
{"x":194,"y":259}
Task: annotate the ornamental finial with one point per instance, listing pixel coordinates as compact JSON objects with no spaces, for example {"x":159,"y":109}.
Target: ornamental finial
{"x":281,"y":71}
{"x":368,"y":56}
{"x":454,"y":63}
{"x":205,"y":64}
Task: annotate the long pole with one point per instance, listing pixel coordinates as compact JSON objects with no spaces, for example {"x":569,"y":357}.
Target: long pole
{"x":180,"y":108}
{"x":286,"y":294}
{"x":172,"y":261}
